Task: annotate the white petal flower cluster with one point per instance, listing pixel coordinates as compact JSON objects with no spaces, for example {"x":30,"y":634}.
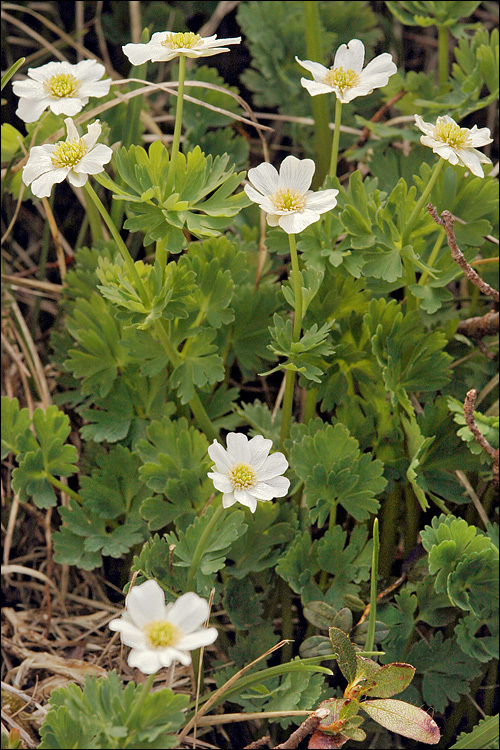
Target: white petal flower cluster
{"x":346,"y":78}
{"x":165,"y":45}
{"x":74,"y":158}
{"x":160,"y":634}
{"x":285,"y":196}
{"x":455,"y":144}
{"x":245,"y":472}
{"x":62,"y":87}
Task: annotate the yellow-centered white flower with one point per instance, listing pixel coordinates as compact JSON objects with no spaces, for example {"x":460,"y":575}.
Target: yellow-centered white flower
{"x":74,"y":158}
{"x":62,"y":87}
{"x":456,"y":144}
{"x":160,"y":633}
{"x":245,"y":472}
{"x":346,"y":78}
{"x":165,"y":45}
{"x":285,"y":196}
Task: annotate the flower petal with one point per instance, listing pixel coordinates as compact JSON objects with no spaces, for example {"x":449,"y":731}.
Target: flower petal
{"x":275,"y":465}
{"x":189,"y":612}
{"x":296,"y":173}
{"x":198,"y":639}
{"x":472,"y":159}
{"x":228,"y":499}
{"x":350,"y":56}
{"x":317,"y":70}
{"x":221,"y":482}
{"x":146,"y":603}
{"x":94,"y":161}
{"x":29,"y":110}
{"x":130,"y":635}
{"x":87,"y":70}
{"x":322,"y":200}
{"x":253,"y":194}
{"x":380,"y":68}
{"x":243,"y":497}
{"x":168,"y":655}
{"x":147,"y":661}
{"x":262,"y":491}
{"x":77,"y":179}
{"x":42,"y":186}
{"x":296,"y":223}
{"x":67,"y":105}
{"x":29,"y":89}
{"x":219,"y":456}
{"x":480,"y":136}
{"x":259,"y":450}
{"x":39,"y":162}
{"x":315,"y":88}
{"x":237,"y":447}
{"x":264,"y":178}
{"x":279,"y":485}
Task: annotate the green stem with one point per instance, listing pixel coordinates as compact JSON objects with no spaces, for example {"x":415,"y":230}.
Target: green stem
{"x":286,"y":419}
{"x":443,"y":54}
{"x":432,"y":257}
{"x":178,"y":125}
{"x":198,"y":553}
{"x":94,"y":222}
{"x":319,"y":104}
{"x":421,"y":202}
{"x":336,"y":139}
{"x":63,"y":487}
{"x":286,"y":620}
{"x":140,"y":701}
{"x":310,"y":405}
{"x":370,"y":633}
{"x":89,"y":190}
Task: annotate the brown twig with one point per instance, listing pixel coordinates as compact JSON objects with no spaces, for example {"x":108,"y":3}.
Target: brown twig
{"x":469,"y":403}
{"x":307,"y":727}
{"x":447,"y":221}
{"x":484,"y":325}
{"x":264,"y":741}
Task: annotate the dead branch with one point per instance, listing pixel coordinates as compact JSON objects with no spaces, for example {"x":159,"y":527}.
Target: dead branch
{"x":307,"y":727}
{"x":447,"y":221}
{"x":469,"y":403}
{"x":484,"y":325}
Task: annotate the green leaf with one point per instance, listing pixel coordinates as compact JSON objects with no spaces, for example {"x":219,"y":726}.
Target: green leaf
{"x":201,"y":366}
{"x":242,"y":603}
{"x":446,"y":671}
{"x":110,"y":418}
{"x":16,"y":435}
{"x":390,"y":680}
{"x":484,"y":735}
{"x":403,"y":718}
{"x":488,"y":427}
{"x":332,"y":468}
{"x":216,"y":546}
{"x":348,"y":563}
{"x":344,"y":653}
{"x":109,"y":712}
{"x":478,"y":638}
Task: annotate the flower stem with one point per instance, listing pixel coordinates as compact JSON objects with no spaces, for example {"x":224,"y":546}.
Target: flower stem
{"x":297,"y":327}
{"x":120,"y":243}
{"x":336,"y":139}
{"x":178,"y":125}
{"x":319,"y":104}
{"x":370,"y":633}
{"x":140,"y":701}
{"x":443,"y":53}
{"x":432,"y":257}
{"x":63,"y":487}
{"x":198,"y":553}
{"x":195,"y":404}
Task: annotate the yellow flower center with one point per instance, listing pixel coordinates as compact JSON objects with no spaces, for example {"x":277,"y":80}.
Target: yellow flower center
{"x":341,"y":79}
{"x":69,"y":153}
{"x":62,"y":85}
{"x":452,"y":134}
{"x":162,"y":634}
{"x":288,"y":199}
{"x":242,"y":476}
{"x":181,"y":40}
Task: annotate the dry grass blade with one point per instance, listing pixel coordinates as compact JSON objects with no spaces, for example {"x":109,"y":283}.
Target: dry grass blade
{"x":20,"y":281}
{"x":213,"y":721}
{"x":210,"y":702}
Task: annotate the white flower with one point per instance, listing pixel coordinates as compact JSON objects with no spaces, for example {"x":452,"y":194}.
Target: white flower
{"x":456,"y":144}
{"x":160,"y":634}
{"x":63,"y":87}
{"x":286,"y":197}
{"x":245,"y":472}
{"x":165,"y":45}
{"x":74,"y":158}
{"x":346,"y":78}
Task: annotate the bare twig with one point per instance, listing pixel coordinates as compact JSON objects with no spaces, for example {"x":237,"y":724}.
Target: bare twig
{"x":469,"y":403}
{"x":264,"y":741}
{"x":307,"y":727}
{"x":447,"y":221}
{"x":484,"y":325}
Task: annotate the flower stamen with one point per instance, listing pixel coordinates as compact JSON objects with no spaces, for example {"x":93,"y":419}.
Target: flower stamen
{"x":341,"y":79}
{"x":69,"y":153}
{"x":181,"y":40}
{"x":452,"y":134}
{"x":162,"y":634}
{"x":242,"y":476}
{"x":62,"y":85}
{"x":288,"y":199}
